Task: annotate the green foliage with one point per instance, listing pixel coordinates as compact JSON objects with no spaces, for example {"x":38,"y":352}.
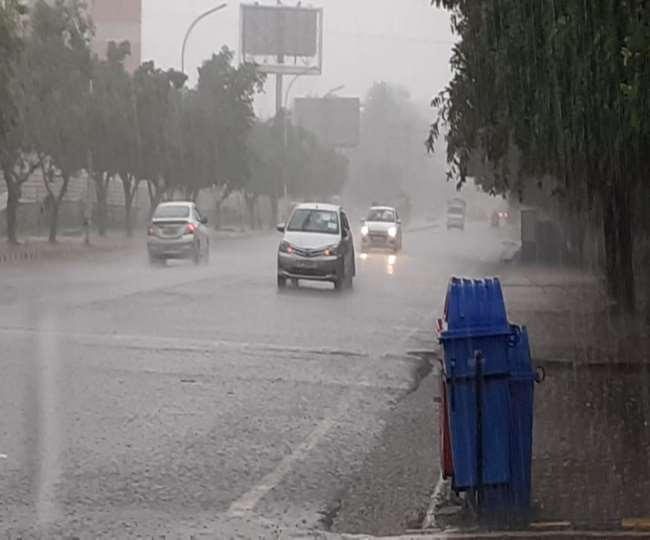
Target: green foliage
{"x":67,"y":110}
{"x":566,"y":84}
{"x":10,"y":48}
{"x":389,"y":159}
{"x":309,"y":170}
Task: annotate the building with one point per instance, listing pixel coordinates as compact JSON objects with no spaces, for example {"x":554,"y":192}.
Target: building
{"x":118,"y":20}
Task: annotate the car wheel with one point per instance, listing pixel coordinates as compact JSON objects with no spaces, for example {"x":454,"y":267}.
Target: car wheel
{"x":342,"y":277}
{"x":155,"y":261}
{"x":282,"y":283}
{"x":349,"y":282}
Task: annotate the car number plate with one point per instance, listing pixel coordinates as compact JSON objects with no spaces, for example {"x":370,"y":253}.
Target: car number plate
{"x":306,"y":264}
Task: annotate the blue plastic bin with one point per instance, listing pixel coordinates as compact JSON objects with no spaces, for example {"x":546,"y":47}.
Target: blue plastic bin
{"x":490,"y":380}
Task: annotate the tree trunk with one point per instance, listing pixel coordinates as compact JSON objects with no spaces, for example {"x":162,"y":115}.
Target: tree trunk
{"x":54,"y":220}
{"x":130,"y":187}
{"x":609,"y":238}
{"x":13,"y":199}
{"x":274,"y":210}
{"x":155,"y":196}
{"x":625,"y":252}
{"x":250,"y":207}
{"x":101,"y":184}
{"x":619,"y":267}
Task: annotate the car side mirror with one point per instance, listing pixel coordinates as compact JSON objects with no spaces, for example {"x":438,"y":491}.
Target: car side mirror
{"x":204,"y":221}
{"x":281,"y":227}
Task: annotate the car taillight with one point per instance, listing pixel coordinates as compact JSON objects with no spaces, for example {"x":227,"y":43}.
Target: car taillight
{"x":190,"y":228}
{"x":151,"y":231}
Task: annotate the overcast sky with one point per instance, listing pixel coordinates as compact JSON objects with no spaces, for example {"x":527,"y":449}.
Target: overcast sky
{"x":400,"y":41}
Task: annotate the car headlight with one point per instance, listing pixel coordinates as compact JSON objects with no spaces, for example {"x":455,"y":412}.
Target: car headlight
{"x":392,"y":232}
{"x":331,"y":251}
{"x":286,"y":247}
{"x":365,"y":230}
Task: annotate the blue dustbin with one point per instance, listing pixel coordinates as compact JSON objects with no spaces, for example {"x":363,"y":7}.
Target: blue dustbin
{"x":489,"y":383}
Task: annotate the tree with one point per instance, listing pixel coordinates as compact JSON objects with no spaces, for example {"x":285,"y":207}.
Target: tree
{"x":59,"y":64}
{"x":390,"y":157}
{"x":112,"y":139}
{"x":565,"y":84}
{"x":224,"y":97}
{"x":309,"y":169}
{"x":154,"y":91}
{"x":13,"y":163}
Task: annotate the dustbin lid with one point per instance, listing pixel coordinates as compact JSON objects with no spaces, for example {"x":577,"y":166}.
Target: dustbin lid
{"x":474,"y":307}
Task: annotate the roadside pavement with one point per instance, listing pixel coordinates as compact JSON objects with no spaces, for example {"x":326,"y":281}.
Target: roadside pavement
{"x":591,"y":442}
{"x":591,"y":457}
{"x":71,"y":247}
{"x":37,"y":248}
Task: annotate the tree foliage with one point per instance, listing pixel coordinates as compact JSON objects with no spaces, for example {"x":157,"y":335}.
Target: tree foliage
{"x":389,"y":162}
{"x":564,"y":87}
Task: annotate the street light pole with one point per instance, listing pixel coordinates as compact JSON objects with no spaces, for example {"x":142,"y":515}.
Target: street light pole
{"x":88,"y":201}
{"x":334,"y":90}
{"x":193,"y":25}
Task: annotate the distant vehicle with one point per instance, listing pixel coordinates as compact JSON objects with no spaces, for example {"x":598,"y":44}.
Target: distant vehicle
{"x":456,"y":209}
{"x":178,"y":231}
{"x":382,"y":228}
{"x":499,"y":217}
{"x":317,"y":246}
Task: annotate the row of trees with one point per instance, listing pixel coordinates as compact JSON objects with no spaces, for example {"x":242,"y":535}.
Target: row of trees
{"x":553,"y":97}
{"x":65,"y":110}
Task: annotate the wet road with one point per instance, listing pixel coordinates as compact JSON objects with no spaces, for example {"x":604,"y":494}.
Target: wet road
{"x":187,"y":400}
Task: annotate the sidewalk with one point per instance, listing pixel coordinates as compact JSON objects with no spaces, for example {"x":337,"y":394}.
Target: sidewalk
{"x":70,"y":247}
{"x":591,"y":457}
{"x":35,"y":248}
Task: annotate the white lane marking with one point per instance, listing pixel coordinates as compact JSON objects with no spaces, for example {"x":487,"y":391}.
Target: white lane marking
{"x":49,"y":427}
{"x":245,"y":505}
{"x":248,"y":501}
{"x":178,"y":343}
{"x":4,"y":456}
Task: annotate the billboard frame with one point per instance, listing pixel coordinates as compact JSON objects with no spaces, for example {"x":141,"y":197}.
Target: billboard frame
{"x":274,"y":64}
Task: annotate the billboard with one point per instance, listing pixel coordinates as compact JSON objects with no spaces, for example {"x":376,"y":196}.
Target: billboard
{"x":335,"y":121}
{"x":282,"y":39}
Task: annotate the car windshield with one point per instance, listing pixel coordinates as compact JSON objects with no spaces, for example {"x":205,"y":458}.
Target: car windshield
{"x":312,"y":220}
{"x":381,"y":214}
{"x":172,"y":211}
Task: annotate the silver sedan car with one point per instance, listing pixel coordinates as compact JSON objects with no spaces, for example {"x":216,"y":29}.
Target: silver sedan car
{"x":178,"y":231}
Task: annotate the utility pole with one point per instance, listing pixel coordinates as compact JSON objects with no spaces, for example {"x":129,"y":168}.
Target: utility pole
{"x":88,"y":202}
{"x":281,"y":124}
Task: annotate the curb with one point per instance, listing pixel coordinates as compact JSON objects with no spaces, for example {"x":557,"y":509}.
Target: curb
{"x":47,"y":252}
{"x":19,"y":255}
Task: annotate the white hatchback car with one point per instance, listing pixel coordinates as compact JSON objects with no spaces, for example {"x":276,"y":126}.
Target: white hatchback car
{"x":382,"y":228}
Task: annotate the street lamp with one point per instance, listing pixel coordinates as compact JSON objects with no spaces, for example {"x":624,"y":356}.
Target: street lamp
{"x":334,"y":90}
{"x":194,"y":23}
